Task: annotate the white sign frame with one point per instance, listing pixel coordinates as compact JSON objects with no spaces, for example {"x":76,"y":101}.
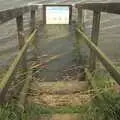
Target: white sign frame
{"x":57,"y":14}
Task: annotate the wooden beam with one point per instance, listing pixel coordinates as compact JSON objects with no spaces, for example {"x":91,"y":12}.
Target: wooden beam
{"x":94,"y":38}
{"x":103,"y":7}
{"x":13,"y":67}
{"x":102,"y":57}
{"x":6,"y":15}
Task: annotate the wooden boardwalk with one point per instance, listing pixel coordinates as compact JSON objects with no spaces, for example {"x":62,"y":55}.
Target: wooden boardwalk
{"x":54,"y":43}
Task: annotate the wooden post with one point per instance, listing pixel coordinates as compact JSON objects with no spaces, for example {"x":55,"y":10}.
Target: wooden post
{"x":94,"y":38}
{"x":33,"y":26}
{"x":44,"y":14}
{"x":32,"y":22}
{"x":80,"y":16}
{"x":20,"y":30}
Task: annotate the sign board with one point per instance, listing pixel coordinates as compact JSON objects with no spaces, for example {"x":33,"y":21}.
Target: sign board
{"x":57,"y":14}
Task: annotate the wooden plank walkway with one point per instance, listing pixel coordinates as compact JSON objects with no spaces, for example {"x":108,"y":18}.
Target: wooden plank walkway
{"x":55,"y":41}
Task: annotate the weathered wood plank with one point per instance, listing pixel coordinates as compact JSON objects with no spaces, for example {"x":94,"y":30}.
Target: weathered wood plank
{"x":94,"y":39}
{"x":104,"y":7}
{"x":13,"y":67}
{"x":102,"y":57}
{"x":9,"y":14}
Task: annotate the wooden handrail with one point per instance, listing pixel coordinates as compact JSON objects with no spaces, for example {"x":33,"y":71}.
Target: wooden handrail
{"x":102,"y":7}
{"x":9,"y":14}
{"x":97,"y":8}
{"x":102,"y":57}
{"x":14,"y":65}
{"x":18,"y":13}
{"x":5,"y":16}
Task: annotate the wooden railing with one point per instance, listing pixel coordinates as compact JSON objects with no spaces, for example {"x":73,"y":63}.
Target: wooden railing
{"x":95,"y":51}
{"x":5,"y":16}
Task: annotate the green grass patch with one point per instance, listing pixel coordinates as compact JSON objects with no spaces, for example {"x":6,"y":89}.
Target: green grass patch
{"x":100,"y":79}
{"x":32,"y":111}
{"x":105,"y":106}
{"x":53,"y":110}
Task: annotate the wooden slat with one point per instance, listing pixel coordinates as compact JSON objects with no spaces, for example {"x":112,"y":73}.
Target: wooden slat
{"x":104,"y":7}
{"x":13,"y":67}
{"x":9,"y":14}
{"x":102,"y":57}
{"x":94,"y":39}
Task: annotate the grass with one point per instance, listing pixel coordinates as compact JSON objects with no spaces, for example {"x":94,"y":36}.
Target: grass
{"x":8,"y":112}
{"x":104,"y":106}
{"x":106,"y":103}
{"x":53,"y":110}
{"x":100,"y":79}
{"x":12,"y":112}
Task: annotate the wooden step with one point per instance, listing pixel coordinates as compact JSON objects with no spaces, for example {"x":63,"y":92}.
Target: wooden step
{"x":60,"y":117}
{"x":62,"y":93}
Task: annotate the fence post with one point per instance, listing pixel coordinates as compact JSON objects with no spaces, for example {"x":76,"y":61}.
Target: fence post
{"x":94,"y":38}
{"x":80,"y":16}
{"x":33,"y":26}
{"x":20,"y":30}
